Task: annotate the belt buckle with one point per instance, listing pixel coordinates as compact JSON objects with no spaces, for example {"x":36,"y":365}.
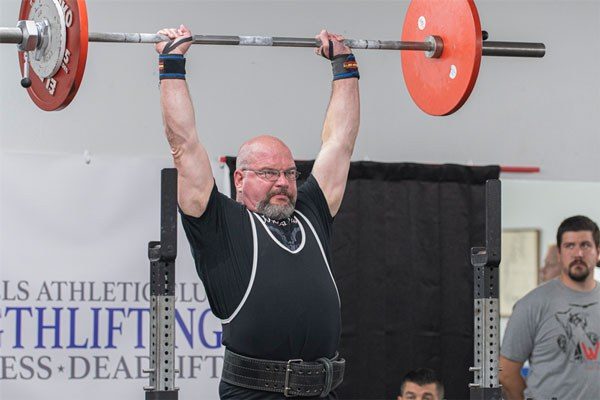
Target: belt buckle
{"x":288,"y":369}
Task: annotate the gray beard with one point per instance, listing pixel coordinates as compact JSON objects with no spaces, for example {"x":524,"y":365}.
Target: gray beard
{"x":275,"y":211}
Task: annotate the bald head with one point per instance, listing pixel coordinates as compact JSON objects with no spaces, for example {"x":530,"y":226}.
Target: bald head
{"x":260,"y":148}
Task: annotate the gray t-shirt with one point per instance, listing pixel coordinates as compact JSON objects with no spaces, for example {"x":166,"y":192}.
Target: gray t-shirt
{"x":558,"y":330}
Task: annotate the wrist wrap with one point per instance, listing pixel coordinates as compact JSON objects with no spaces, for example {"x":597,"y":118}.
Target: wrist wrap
{"x":344,"y":66}
{"x":171,"y":66}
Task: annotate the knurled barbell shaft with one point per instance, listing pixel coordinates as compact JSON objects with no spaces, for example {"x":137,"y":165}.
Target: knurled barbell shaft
{"x":258,"y":41}
{"x":504,"y":49}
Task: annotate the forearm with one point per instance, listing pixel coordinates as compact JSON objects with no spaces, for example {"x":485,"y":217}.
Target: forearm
{"x":178,"y":116}
{"x":343,"y":115}
{"x":513,"y":388}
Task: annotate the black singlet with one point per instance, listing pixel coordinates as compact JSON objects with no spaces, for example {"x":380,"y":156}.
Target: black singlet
{"x":274,"y":303}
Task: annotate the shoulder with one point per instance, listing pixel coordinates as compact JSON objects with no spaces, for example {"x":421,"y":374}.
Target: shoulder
{"x":310,"y":192}
{"x":221,"y":214}
{"x":539,"y":296}
{"x":310,"y":186}
{"x":311,"y":201}
{"x":219,"y":201}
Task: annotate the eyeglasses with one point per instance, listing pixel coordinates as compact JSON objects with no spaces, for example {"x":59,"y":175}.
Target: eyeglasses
{"x":272,"y":175}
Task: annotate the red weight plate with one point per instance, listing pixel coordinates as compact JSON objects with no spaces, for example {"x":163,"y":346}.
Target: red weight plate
{"x":440,"y":86}
{"x":56,"y":92}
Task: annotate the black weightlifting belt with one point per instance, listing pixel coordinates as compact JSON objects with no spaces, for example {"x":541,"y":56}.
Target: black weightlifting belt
{"x":293,"y":378}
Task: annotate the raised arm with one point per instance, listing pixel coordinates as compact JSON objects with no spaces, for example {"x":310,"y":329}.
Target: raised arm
{"x":340,"y":128}
{"x":512,"y":382}
{"x":195,"y":178}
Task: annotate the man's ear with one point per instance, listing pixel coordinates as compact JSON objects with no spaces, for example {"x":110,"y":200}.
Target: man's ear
{"x":238,"y":180}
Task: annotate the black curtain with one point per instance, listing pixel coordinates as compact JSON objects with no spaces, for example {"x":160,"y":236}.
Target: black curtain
{"x":401,"y":260}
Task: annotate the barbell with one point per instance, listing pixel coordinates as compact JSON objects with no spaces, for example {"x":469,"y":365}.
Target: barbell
{"x":442,"y":44}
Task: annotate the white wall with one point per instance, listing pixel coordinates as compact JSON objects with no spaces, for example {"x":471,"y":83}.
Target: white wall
{"x":522,"y":111}
{"x":544,"y":205}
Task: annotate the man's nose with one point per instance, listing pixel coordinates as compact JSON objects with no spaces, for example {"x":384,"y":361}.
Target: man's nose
{"x":282,"y":180}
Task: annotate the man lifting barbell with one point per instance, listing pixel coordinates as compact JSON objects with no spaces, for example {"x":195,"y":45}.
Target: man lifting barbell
{"x":264,"y":259}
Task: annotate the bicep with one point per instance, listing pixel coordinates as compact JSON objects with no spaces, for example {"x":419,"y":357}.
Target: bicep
{"x":509,"y":367}
{"x":195,"y":179}
{"x":331,"y":172}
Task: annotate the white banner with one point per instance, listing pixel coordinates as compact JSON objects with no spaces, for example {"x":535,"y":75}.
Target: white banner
{"x":74,"y":277}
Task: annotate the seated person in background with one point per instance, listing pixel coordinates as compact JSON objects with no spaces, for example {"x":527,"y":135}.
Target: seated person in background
{"x":551,"y":267}
{"x":556,"y":326}
{"x":421,"y":384}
